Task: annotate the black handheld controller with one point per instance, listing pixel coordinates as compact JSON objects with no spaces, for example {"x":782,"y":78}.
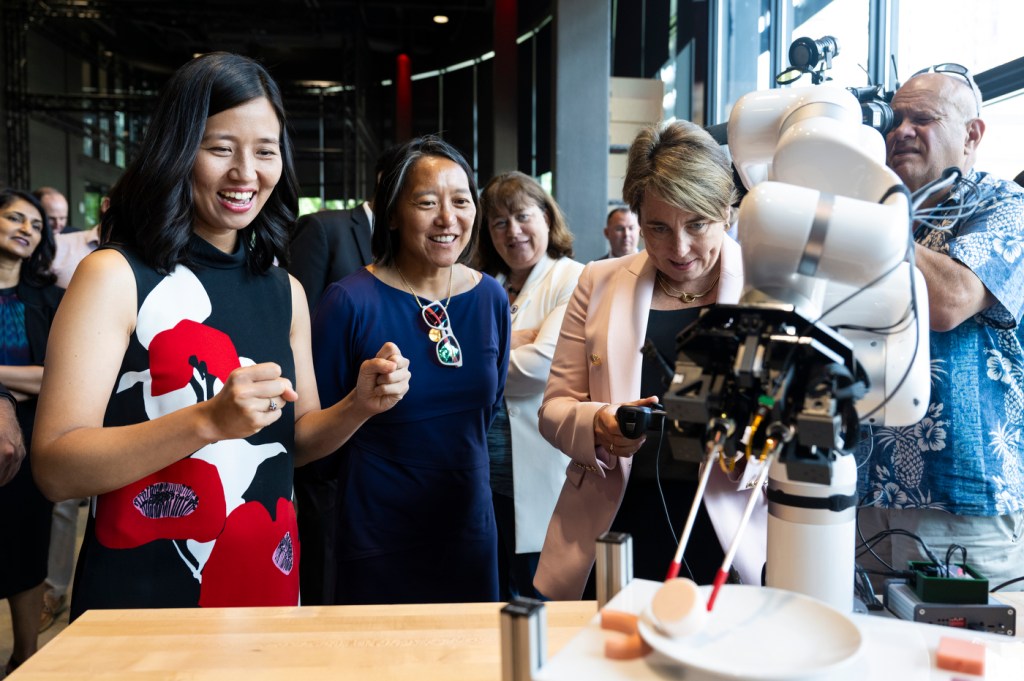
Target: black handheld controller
{"x":634,"y":421}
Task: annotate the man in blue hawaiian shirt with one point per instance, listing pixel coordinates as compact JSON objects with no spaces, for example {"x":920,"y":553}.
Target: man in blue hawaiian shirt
{"x":957,"y":476}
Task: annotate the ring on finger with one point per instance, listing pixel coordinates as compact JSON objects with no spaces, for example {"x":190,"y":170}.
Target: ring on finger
{"x":611,"y":448}
{"x":273,"y":405}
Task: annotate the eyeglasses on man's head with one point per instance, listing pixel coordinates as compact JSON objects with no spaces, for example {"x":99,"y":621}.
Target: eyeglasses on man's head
{"x":951,"y":69}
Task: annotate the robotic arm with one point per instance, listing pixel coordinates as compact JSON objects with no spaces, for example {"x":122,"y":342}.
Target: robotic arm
{"x":825,"y":228}
{"x":828,"y":334}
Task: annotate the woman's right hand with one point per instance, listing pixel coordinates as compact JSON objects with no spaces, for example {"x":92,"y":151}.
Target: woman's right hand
{"x":250,"y":400}
{"x":608,"y":435}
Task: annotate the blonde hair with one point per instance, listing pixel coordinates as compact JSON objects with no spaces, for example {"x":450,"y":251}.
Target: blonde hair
{"x":681,"y":164}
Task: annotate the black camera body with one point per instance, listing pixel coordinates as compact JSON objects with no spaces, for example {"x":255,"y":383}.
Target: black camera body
{"x":874,"y":107}
{"x":635,"y":421}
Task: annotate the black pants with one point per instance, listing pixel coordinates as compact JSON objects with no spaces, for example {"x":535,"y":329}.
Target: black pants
{"x":316,"y":495}
{"x":643,"y":516}
{"x":515,"y":570}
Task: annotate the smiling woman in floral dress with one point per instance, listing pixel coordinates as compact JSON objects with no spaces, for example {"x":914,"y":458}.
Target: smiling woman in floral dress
{"x":179,"y":388}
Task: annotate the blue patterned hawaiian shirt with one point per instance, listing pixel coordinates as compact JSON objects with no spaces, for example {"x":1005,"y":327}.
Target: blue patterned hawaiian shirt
{"x":966,"y":456}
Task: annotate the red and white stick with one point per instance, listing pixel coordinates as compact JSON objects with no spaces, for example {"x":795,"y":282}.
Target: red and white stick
{"x":755,"y":493}
{"x":673,"y":568}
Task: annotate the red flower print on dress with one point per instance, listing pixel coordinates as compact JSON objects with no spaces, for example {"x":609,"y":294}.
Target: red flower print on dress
{"x":183,"y":501}
{"x":177,"y":354}
{"x":255,"y":560}
{"x":218,"y":536}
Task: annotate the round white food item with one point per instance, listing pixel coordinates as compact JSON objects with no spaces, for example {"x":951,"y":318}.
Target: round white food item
{"x":678,"y":608}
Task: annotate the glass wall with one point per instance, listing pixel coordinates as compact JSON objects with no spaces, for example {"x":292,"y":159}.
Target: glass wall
{"x":742,"y":61}
{"x":847,"y":22}
{"x":980,"y":36}
{"x":1001,"y":151}
{"x":754,"y":36}
{"x":752,"y":40}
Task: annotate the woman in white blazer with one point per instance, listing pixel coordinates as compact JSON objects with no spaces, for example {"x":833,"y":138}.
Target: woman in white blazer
{"x":679,"y":182}
{"x":527,"y":246}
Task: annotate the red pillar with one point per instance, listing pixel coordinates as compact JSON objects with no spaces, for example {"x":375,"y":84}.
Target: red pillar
{"x":403,"y":98}
{"x":506,"y":87}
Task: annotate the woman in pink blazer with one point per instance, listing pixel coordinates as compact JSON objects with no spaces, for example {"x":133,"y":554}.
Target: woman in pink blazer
{"x":680,"y":184}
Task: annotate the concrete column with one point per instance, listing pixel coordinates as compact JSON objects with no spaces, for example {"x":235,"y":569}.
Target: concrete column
{"x":580,"y":160}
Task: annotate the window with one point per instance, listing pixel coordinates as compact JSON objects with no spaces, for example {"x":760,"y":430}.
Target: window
{"x":979,"y":37}
{"x":312,"y":204}
{"x":1001,"y":151}
{"x":742,"y":62}
{"x":750,"y":32}
{"x":847,"y":22}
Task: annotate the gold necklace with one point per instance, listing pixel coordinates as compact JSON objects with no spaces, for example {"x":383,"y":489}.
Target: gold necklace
{"x":685,"y":297}
{"x":433,"y":334}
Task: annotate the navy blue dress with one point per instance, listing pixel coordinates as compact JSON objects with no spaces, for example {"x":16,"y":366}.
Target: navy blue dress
{"x":415,"y":520}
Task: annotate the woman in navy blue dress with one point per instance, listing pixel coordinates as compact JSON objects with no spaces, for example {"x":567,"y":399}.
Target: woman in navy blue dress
{"x":415,"y":521}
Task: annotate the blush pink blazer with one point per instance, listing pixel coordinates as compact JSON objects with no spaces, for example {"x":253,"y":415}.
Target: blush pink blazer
{"x":597,"y":362}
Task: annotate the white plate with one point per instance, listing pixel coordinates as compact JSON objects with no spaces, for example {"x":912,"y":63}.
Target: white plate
{"x":764,"y":633}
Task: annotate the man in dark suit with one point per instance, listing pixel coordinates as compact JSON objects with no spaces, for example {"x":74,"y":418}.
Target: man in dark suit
{"x":326,"y":246}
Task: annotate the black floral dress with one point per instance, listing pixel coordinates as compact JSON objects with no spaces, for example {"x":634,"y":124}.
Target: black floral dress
{"x":216,"y":528}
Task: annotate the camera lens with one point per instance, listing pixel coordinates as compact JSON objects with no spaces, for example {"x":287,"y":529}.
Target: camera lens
{"x":878,"y":115}
{"x":805,"y":53}
{"x":801,"y":52}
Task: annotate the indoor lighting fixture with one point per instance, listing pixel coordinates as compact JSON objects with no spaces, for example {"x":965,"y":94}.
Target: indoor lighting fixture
{"x":440,"y":19}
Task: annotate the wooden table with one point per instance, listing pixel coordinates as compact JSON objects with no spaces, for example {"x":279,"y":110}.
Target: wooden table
{"x":382,"y":643}
{"x":400,"y":642}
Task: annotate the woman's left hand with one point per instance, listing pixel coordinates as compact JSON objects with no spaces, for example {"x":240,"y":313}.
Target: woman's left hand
{"x":384,"y":380}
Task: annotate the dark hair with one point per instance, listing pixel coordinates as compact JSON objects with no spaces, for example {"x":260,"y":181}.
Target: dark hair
{"x":385,"y":159}
{"x":37,"y":268}
{"x":152,"y":208}
{"x":512,"y":191}
{"x":386,"y":242}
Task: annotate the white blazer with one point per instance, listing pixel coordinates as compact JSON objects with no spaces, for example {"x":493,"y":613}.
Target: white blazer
{"x":538,"y":469}
{"x":598,"y":362}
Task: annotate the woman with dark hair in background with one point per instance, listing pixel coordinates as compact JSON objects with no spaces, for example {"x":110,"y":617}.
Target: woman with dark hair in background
{"x":527,"y":246}
{"x":179,"y":389}
{"x":415,"y":522}
{"x":28,"y":302}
